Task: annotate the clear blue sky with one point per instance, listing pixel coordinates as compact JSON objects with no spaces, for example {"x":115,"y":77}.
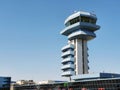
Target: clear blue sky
{"x":30,"y":43}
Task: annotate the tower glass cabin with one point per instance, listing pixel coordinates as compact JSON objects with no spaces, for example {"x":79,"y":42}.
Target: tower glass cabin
{"x":79,"y":28}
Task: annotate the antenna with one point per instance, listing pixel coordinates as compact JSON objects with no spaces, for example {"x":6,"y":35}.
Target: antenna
{"x":93,"y":13}
{"x":75,"y":11}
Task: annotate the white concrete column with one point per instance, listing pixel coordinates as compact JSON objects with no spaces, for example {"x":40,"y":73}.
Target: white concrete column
{"x":81,"y":63}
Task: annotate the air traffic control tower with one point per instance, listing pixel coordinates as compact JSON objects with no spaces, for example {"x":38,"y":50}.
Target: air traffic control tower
{"x":79,"y":28}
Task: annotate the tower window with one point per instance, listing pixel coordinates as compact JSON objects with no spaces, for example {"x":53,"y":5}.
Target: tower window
{"x":88,"y":20}
{"x":75,"y":20}
{"x":81,"y":19}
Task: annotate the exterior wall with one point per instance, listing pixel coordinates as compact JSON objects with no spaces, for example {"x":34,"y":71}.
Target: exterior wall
{"x":24,"y":82}
{"x":98,"y":84}
{"x":68,"y":60}
{"x":81,"y":58}
{"x":86,"y":66}
{"x":79,"y":61}
{"x":5,"y":83}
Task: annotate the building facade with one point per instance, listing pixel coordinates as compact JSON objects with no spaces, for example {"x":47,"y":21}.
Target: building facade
{"x":80,"y":28}
{"x":83,"y":84}
{"x":5,"y":83}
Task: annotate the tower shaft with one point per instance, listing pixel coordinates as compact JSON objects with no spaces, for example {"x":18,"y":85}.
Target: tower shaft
{"x":80,"y":56}
{"x":81,"y":60}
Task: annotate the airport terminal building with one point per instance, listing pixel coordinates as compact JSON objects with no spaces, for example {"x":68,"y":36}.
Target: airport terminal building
{"x":100,"y":81}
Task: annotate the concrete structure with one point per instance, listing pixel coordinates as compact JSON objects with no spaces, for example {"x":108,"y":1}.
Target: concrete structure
{"x":25,"y":82}
{"x":50,"y":82}
{"x":98,"y":81}
{"x":23,"y":85}
{"x":5,"y":83}
{"x":95,"y":76}
{"x":80,"y":28}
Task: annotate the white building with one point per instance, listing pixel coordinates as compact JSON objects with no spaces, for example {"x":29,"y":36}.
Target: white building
{"x":50,"y":82}
{"x":80,"y":28}
{"x":25,"y":82}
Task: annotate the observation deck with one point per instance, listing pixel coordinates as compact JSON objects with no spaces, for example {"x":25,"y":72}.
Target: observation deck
{"x":80,"y":25}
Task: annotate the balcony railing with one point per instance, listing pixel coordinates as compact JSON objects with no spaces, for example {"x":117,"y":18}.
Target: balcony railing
{"x":67,"y":47}
{"x":68,"y":66}
{"x":82,"y":34}
{"x":68,"y":73}
{"x":67,"y":53}
{"x":69,"y":59}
